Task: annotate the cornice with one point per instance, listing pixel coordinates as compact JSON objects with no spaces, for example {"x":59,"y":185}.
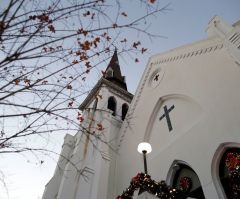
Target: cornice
{"x":188,"y":54}
{"x":123,"y":93}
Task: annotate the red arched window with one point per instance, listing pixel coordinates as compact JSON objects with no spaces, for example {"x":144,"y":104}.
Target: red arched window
{"x":186,"y":178}
{"x":229,"y":172}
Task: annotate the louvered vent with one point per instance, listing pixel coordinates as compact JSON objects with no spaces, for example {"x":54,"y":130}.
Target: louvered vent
{"x":235,"y":40}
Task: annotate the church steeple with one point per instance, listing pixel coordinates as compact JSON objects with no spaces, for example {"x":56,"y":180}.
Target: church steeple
{"x":113,"y":72}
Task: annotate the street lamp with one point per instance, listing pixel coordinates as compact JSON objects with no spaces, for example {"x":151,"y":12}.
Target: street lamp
{"x":144,"y":148}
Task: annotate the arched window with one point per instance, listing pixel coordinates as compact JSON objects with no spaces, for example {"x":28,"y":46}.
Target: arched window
{"x":184,"y":177}
{"x":229,"y":172}
{"x":112,"y":105}
{"x":109,"y":72}
{"x":124,"y":111}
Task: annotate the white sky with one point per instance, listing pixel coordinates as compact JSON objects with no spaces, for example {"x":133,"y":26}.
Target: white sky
{"x":186,"y":22}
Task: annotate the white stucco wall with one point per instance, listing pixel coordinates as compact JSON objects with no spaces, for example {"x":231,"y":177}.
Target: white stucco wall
{"x":89,"y":175}
{"x":52,"y":187}
{"x":202,"y":81}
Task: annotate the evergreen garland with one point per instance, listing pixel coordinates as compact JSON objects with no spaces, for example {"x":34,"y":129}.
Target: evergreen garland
{"x":161,"y":190}
{"x":143,"y":182}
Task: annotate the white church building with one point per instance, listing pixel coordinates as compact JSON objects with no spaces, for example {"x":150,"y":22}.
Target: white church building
{"x":187,"y":106}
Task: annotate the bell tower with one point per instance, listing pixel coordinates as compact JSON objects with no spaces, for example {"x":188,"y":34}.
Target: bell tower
{"x":91,"y":153}
{"x":110,"y":91}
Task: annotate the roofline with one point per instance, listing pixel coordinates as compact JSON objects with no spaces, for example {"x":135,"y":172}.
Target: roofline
{"x":102,"y":81}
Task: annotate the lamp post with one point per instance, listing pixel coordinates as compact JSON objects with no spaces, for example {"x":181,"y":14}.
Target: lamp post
{"x":144,"y":148}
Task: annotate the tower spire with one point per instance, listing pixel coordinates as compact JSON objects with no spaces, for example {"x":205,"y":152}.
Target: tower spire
{"x":113,"y":72}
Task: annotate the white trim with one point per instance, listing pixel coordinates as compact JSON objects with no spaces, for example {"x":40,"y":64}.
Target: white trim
{"x":170,"y":58}
{"x":176,"y":165}
{"x":173,"y":169}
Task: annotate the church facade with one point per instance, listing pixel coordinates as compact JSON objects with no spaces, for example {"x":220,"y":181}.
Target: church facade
{"x":186,"y":106}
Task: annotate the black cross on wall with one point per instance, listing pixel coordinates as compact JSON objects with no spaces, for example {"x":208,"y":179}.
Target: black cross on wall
{"x":166,"y":114}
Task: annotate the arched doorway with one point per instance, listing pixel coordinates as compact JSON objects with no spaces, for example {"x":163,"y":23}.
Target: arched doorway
{"x":182,"y":176}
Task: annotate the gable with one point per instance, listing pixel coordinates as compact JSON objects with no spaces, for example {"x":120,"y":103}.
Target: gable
{"x":197,"y":86}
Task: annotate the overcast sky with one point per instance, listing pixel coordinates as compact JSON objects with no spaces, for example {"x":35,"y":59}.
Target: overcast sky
{"x":185,"y":22}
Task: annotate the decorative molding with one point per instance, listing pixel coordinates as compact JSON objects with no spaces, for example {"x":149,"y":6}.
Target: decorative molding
{"x":188,"y":54}
{"x":100,"y":84}
{"x":161,"y":61}
{"x":88,"y":170}
{"x":105,"y":156}
{"x":135,"y":102}
{"x":121,"y":95}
